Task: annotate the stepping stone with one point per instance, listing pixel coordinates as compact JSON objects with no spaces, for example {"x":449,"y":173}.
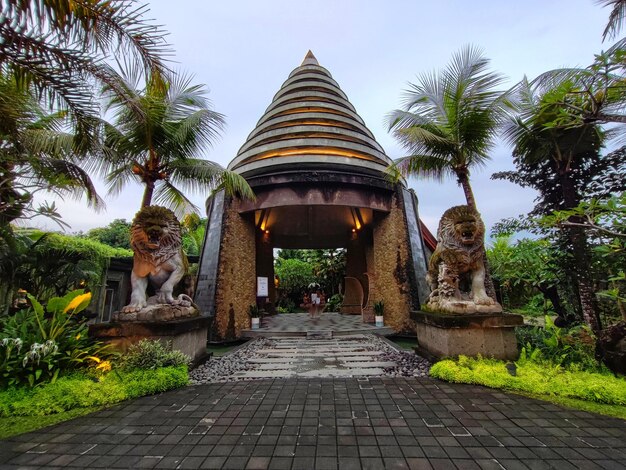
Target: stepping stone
{"x":264,"y":374}
{"x":319,"y":334}
{"x":328,"y":372}
{"x":274,"y":360}
{"x":367,"y":365}
{"x":283,"y":366}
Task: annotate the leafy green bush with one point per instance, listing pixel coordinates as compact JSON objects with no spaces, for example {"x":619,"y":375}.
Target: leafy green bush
{"x":37,"y":345}
{"x":152,"y":354}
{"x":334,"y":303}
{"x":82,"y":391}
{"x":534,"y":378}
{"x":285,"y":305}
{"x":574,"y":347}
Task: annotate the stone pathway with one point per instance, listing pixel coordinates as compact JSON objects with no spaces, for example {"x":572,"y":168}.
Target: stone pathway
{"x":284,"y":357}
{"x":370,"y":423}
{"x":300,"y":323}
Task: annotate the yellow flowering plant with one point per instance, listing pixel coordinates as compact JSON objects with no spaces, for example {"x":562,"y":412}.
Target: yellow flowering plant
{"x":52,"y":340}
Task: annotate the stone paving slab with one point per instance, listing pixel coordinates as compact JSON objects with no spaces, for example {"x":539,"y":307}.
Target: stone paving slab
{"x":274,"y":360}
{"x":370,"y":423}
{"x":364,"y":365}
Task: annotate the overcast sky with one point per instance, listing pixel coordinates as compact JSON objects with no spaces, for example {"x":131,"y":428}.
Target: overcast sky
{"x":244,"y":50}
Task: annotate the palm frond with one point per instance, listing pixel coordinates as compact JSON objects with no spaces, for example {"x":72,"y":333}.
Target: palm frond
{"x":235,"y":185}
{"x":167,"y":195}
{"x":616,"y":17}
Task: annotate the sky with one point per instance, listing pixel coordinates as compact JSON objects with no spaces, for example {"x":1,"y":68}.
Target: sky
{"x":244,"y":50}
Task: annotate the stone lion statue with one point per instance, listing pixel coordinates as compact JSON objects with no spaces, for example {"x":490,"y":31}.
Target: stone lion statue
{"x":456,"y":271}
{"x":158,"y":258}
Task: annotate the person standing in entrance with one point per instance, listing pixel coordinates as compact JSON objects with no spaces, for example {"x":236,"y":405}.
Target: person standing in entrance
{"x":315,"y":304}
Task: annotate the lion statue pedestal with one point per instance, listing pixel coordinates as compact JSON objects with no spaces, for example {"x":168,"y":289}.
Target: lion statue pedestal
{"x":462,"y":316}
{"x":158,"y":261}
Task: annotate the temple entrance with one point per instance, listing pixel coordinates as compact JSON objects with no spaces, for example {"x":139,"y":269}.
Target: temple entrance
{"x":320,"y":182}
{"x":346,"y":228}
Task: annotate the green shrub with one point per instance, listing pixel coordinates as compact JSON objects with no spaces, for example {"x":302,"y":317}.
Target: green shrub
{"x":37,"y":345}
{"x":534,"y":378}
{"x":574,"y":347}
{"x":79,"y":391}
{"x":152,"y":354}
{"x":285,"y":305}
{"x":334,"y":303}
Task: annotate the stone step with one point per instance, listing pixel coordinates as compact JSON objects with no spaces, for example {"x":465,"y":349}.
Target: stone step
{"x":319,"y":334}
{"x":367,"y":365}
{"x":333,"y":372}
{"x":274,"y":360}
{"x":283,"y":366}
{"x":264,"y":374}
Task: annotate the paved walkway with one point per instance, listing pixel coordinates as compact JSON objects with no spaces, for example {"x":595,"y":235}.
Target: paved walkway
{"x":371,"y":423}
{"x":301,"y":323}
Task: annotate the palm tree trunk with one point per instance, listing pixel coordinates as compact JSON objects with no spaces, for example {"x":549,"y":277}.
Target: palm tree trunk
{"x":147,"y":194}
{"x":463,"y":179}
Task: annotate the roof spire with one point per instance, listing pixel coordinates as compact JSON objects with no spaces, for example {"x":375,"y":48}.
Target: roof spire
{"x":309,"y":59}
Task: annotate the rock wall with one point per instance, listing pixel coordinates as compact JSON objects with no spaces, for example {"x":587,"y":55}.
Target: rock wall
{"x":236,"y":277}
{"x":392,"y":267}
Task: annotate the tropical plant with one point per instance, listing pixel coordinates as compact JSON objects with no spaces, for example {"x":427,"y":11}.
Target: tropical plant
{"x":334,"y":303}
{"x":152,"y":354}
{"x":522,"y":269}
{"x":379,"y":308}
{"x":606,"y":219}
{"x":563,"y":150}
{"x":37,"y":345}
{"x":116,"y":234}
{"x":295,"y":276}
{"x":155,"y":139}
{"x":328,"y":266}
{"x":616,"y":17}
{"x":50,"y":264}
{"x":573,"y":347}
{"x":449,"y":120}
{"x":253,"y":311}
{"x":193,"y":229}
{"x":58,"y":48}
{"x":36,"y":154}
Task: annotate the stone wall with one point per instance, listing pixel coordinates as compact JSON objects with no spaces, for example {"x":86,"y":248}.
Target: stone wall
{"x":236,"y":278}
{"x":392,"y":265}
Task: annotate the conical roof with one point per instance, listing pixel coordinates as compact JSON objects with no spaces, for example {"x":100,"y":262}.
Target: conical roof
{"x":310,"y":122}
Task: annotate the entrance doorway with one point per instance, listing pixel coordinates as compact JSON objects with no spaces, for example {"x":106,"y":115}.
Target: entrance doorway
{"x":330,"y":246}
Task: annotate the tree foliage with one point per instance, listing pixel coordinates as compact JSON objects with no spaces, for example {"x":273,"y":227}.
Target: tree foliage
{"x":116,"y":234}
{"x":450,"y":120}
{"x":58,"y":49}
{"x":156,"y":139}
{"x":295,"y":275}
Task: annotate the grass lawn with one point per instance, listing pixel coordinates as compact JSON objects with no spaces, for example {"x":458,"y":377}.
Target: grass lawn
{"x":615,"y":411}
{"x":599,"y":392}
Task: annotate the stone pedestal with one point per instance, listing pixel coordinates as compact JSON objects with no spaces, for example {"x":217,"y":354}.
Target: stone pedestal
{"x":447,"y":335}
{"x":188,"y":335}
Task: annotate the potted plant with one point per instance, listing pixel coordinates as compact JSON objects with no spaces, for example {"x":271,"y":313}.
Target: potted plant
{"x":379,"y":311}
{"x":255,"y":315}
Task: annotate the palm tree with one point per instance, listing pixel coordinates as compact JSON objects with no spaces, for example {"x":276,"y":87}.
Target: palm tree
{"x":540,"y":137}
{"x":155,"y":139}
{"x":449,"y":120}
{"x":616,"y":17}
{"x":36,"y":154}
{"x":59,"y":48}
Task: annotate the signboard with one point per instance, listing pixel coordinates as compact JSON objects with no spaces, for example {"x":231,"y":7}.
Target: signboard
{"x":262,"y":287}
